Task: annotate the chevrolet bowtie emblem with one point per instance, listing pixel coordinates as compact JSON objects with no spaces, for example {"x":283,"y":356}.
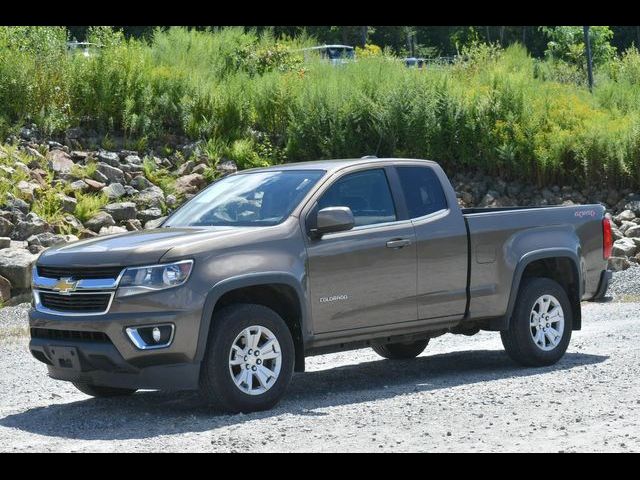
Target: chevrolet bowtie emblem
{"x":65,"y":285}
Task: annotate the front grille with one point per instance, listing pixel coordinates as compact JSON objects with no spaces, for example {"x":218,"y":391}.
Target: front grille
{"x":76,"y":335}
{"x":79,"y":273}
{"x":75,"y":303}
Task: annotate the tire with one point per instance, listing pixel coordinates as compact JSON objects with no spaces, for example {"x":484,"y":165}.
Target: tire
{"x":400,"y":351}
{"x":526,"y":323}
{"x":238,"y":325}
{"x":99,"y":391}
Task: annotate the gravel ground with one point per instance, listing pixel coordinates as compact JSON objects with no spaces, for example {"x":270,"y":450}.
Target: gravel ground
{"x":461,"y":394}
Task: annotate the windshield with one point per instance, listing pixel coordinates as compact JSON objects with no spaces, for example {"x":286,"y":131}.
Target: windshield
{"x":247,"y":199}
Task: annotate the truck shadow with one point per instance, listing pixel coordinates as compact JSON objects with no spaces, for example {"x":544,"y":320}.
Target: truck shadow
{"x":150,"y":414}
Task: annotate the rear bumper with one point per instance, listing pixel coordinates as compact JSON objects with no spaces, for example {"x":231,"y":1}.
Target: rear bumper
{"x":605,"y":279}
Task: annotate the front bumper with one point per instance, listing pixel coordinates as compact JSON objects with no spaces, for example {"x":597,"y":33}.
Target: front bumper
{"x":105,"y":355}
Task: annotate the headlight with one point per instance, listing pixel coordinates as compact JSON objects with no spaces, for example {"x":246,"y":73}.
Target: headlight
{"x":154,"y":277}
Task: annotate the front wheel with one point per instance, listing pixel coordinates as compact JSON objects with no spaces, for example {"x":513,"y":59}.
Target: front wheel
{"x":540,"y":328}
{"x":249,"y":360}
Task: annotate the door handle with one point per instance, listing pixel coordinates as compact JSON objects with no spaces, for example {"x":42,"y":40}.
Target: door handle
{"x":398,"y":243}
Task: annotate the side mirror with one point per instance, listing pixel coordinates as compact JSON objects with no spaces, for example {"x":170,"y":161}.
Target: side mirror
{"x":333,"y":219}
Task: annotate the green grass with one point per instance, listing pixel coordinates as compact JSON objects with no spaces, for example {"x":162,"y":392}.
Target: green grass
{"x":254,"y":100}
{"x":89,"y":205}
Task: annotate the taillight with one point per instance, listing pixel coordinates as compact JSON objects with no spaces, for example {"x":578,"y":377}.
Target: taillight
{"x":607,"y":238}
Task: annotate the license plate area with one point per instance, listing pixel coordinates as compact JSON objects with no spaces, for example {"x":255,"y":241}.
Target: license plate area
{"x":65,"y":357}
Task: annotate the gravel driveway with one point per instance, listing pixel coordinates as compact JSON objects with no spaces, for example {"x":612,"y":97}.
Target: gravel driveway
{"x":461,"y":394}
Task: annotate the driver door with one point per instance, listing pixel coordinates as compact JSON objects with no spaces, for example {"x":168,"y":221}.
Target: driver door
{"x":367,"y":276}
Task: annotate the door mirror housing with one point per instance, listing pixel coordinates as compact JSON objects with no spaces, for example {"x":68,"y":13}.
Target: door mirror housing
{"x":333,"y":219}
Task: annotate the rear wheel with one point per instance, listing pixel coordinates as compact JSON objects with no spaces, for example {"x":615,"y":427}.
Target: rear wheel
{"x":249,"y":360}
{"x":397,"y":351}
{"x":540,"y":328}
{"x":100,"y":391}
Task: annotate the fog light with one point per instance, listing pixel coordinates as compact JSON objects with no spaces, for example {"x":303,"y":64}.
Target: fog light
{"x":151,"y":336}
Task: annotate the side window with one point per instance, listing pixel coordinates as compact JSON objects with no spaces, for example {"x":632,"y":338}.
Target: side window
{"x":422,"y":190}
{"x":366,"y":193}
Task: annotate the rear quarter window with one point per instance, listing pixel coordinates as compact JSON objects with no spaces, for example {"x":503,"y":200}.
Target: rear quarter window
{"x":422,"y":190}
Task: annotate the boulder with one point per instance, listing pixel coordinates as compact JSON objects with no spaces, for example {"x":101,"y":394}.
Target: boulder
{"x":121,"y":211}
{"x":5,"y":289}
{"x":112,"y":174}
{"x":150,"y":197}
{"x":225,"y":167}
{"x":99,"y":220}
{"x":36,"y":249}
{"x":60,"y":161}
{"x":15,"y":266}
{"x":6,"y":227}
{"x":154,"y":223}
{"x":133,"y":225}
{"x":112,"y":230}
{"x":185,"y":168}
{"x":625,"y":247}
{"x":140,"y":183}
{"x":79,"y":186}
{"x":17,"y":204}
{"x":632,"y":231}
{"x":5,"y":242}
{"x":94,"y":185}
{"x":31,"y":225}
{"x":625,"y":215}
{"x":48,"y":239}
{"x":114,"y":191}
{"x":110,"y":158}
{"x":68,"y":203}
{"x":149,"y":214}
{"x":133,"y":160}
{"x":617,"y":264}
{"x":27,"y":189}
{"x":190,"y":183}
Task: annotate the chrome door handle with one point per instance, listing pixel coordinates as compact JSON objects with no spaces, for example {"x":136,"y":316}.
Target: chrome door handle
{"x":398,"y":243}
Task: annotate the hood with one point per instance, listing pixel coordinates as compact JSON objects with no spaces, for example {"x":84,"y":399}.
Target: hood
{"x":142,"y":247}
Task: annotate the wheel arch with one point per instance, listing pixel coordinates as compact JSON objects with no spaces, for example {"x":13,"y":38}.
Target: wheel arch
{"x":281,"y":292}
{"x":560,"y":264}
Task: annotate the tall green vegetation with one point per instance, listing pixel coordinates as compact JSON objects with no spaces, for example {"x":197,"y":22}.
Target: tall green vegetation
{"x":254,"y":99}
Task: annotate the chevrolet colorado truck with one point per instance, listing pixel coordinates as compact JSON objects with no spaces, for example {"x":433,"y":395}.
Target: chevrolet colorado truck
{"x":268,"y":266}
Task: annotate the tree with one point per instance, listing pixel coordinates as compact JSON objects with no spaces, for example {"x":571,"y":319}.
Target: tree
{"x":567,"y":43}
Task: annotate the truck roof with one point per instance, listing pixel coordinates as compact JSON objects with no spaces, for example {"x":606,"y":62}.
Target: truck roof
{"x":333,"y":165}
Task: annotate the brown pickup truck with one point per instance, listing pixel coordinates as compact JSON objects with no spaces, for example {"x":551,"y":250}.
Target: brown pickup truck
{"x":268,"y":266}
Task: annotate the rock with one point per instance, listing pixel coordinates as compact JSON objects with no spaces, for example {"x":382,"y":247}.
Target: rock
{"x":79,"y":155}
{"x":133,"y":160}
{"x":111,"y":173}
{"x":625,"y":247}
{"x":99,"y":220}
{"x":114,"y":191}
{"x":110,"y":158}
{"x":6,"y":227}
{"x":185,"y":168}
{"x":15,"y":266}
{"x":632,"y":231}
{"x":149,"y":214}
{"x":84,"y":233}
{"x":5,"y":242}
{"x":226,"y":167}
{"x":36,"y":249}
{"x":60,"y":161}
{"x":624,"y":226}
{"x":121,"y":211}
{"x":140,"y":183}
{"x":48,"y":239}
{"x":18,"y":204}
{"x":27,"y":189}
{"x":94,"y":185}
{"x":616,"y":233}
{"x":171,"y":200}
{"x":71,"y":221}
{"x":130,"y":191}
{"x":617,"y":264}
{"x":150,"y":197}
{"x":100,"y":177}
{"x":190,"y":183}
{"x":200,"y":168}
{"x":625,"y":215}
{"x":133,"y":225}
{"x":154,"y":223}
{"x":112,"y":230}
{"x":31,"y":225}
{"x":5,"y":289}
{"x":79,"y":186}
{"x":68,"y":203}
{"x":634,"y":206}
